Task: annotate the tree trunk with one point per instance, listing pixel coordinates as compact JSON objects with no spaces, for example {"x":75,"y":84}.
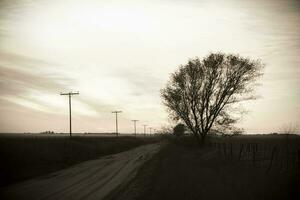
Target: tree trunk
{"x":200,"y":139}
{"x":203,"y":136}
{"x":197,"y":137}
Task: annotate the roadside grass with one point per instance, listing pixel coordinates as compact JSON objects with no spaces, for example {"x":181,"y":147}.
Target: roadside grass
{"x":28,"y":156}
{"x":182,"y":170}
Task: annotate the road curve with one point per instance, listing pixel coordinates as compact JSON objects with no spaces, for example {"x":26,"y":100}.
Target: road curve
{"x":93,"y":179}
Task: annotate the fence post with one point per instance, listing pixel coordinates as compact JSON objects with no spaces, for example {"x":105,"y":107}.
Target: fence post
{"x":241,"y":150}
{"x":287,"y":157}
{"x":248,"y":148}
{"x":298,"y":157}
{"x":253,"y":153}
{"x":272,"y":157}
{"x":231,"y":157}
{"x":224,"y":149}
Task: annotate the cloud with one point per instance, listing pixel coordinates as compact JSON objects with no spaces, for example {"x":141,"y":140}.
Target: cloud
{"x":17,"y":118}
{"x":25,"y":85}
{"x":14,"y":60}
{"x":23,"y":81}
{"x":141,"y":80}
{"x":19,"y":82}
{"x":96,"y":105}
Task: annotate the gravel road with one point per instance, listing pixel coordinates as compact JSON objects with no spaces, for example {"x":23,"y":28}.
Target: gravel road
{"x":93,"y":179}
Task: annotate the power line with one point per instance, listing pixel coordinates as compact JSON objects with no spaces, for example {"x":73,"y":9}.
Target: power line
{"x":70,"y":112}
{"x":134,"y":122}
{"x":116,"y":112}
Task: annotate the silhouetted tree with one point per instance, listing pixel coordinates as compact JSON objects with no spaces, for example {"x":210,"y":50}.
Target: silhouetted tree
{"x":179,"y":129}
{"x":166,"y":129}
{"x":202,"y":92}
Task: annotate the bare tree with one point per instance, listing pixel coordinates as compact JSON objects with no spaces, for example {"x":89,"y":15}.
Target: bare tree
{"x":166,"y":129}
{"x":289,"y":128}
{"x":202,"y":92}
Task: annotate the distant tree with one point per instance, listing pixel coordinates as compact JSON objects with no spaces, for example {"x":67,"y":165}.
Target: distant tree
{"x":179,"y":129}
{"x":166,"y":130}
{"x":202,"y":93}
{"x":289,"y":128}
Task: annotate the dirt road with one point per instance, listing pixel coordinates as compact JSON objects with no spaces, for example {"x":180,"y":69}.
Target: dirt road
{"x":93,"y":179}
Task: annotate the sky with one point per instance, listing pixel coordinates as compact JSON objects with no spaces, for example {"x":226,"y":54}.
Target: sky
{"x":119,"y":54}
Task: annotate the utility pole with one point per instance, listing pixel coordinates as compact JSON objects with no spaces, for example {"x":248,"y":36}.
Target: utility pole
{"x":145,"y":129}
{"x":70,"y":112}
{"x":116,"y":112}
{"x":150,"y":129}
{"x":134,"y":122}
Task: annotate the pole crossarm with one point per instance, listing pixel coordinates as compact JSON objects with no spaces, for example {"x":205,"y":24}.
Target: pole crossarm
{"x":117,"y":111}
{"x":69,"y":93}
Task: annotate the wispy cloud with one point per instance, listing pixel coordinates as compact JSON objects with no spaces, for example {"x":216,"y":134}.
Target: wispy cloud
{"x":141,"y":80}
{"x":22,"y":81}
{"x":15,"y":60}
{"x":18,"y":82}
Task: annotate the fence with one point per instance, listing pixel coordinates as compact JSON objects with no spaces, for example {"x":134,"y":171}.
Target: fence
{"x":268,"y":156}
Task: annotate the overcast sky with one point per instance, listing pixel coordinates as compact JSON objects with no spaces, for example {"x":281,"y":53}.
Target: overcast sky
{"x":119,"y":54}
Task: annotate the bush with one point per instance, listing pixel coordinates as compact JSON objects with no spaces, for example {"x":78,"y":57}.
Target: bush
{"x":179,"y":129}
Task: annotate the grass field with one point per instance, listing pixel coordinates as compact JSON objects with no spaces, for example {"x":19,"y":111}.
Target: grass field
{"x":25,"y":156}
{"x":239,"y":167}
{"x":243,"y":167}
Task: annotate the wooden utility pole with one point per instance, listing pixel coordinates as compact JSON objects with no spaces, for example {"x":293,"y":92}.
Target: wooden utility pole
{"x":145,"y":129}
{"x":70,"y":107}
{"x":134,"y":123}
{"x":150,"y":128}
{"x":154,"y":131}
{"x":116,"y":112}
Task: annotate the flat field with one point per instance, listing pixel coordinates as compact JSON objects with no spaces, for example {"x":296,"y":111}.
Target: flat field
{"x":25,"y":156}
{"x":239,"y":167}
{"x":242,"y":167}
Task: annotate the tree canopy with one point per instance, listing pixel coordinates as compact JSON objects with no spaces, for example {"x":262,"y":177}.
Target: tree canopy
{"x":202,"y":93}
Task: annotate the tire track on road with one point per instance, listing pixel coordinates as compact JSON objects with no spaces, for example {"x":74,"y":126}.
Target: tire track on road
{"x":69,"y":188}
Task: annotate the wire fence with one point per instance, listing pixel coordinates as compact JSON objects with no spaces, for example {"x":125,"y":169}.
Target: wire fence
{"x":268,"y":156}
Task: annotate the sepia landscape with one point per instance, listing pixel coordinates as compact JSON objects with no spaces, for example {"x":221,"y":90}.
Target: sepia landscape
{"x":149,"y":100}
